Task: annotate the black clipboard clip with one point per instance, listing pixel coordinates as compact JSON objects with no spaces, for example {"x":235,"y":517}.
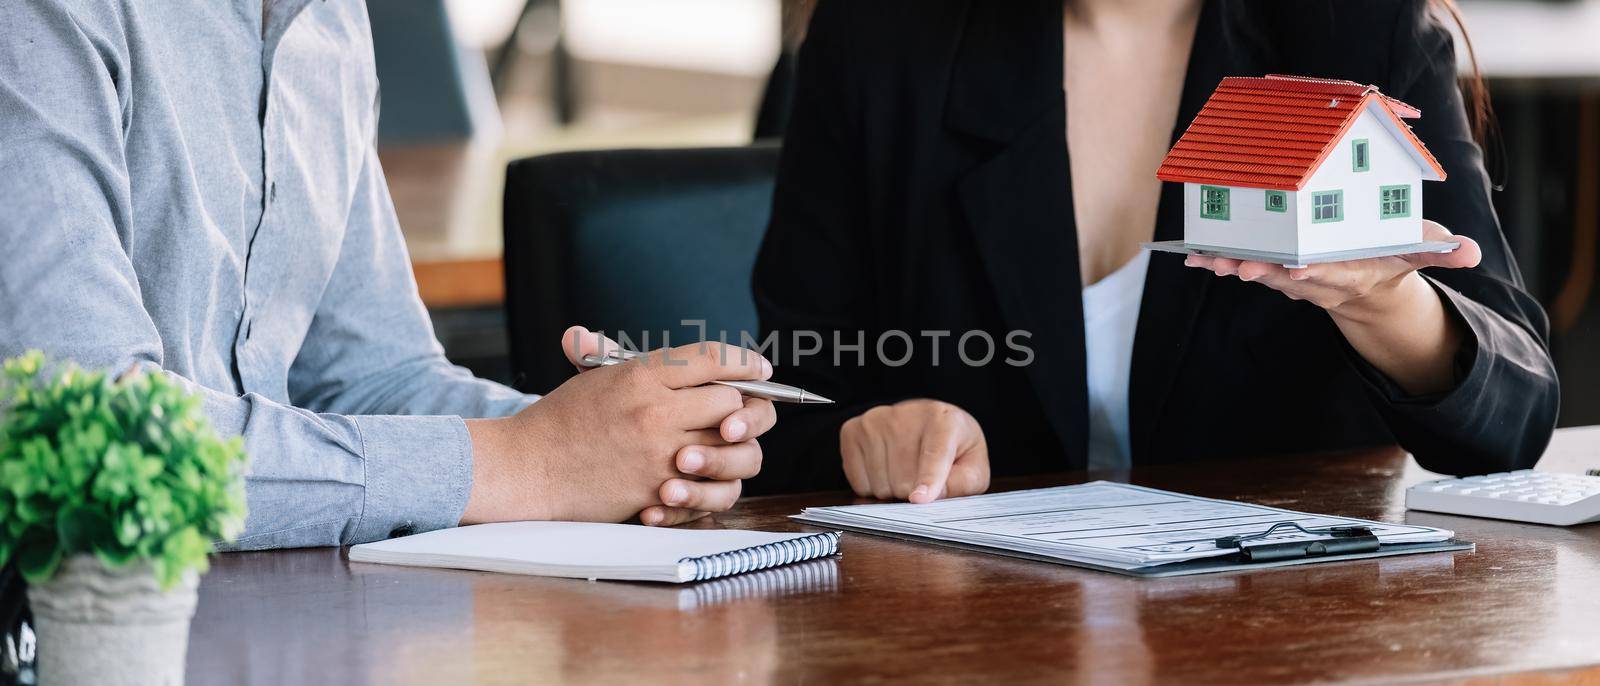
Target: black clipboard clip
{"x":1335,"y":540}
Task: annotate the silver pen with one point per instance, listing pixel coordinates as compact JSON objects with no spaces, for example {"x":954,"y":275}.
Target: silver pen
{"x":768,"y":390}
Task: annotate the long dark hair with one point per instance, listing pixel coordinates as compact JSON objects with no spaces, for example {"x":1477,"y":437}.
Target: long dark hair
{"x":1474,"y":93}
{"x":796,"y":16}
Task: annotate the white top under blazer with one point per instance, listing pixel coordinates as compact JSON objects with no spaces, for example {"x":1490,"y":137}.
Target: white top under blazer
{"x":1110,"y":316}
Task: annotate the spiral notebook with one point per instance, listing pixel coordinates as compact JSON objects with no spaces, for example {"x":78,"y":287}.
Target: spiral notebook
{"x":620,"y":552}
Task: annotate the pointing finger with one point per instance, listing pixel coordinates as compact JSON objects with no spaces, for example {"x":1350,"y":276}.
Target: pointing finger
{"x":937,"y":453}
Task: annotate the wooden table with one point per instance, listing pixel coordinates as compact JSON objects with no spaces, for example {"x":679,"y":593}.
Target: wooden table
{"x":1526,"y":603}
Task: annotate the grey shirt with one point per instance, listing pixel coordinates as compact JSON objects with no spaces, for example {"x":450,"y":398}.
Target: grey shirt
{"x":188,"y":190}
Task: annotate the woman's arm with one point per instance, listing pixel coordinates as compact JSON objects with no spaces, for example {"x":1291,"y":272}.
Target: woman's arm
{"x":1401,"y":325}
{"x":1452,"y":347}
{"x":812,"y":274}
{"x":1385,"y":309}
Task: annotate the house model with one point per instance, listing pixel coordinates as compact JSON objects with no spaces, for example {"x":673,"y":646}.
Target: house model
{"x":1299,"y":170}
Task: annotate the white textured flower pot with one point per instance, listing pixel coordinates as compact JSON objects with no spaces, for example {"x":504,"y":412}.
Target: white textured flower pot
{"x":100,"y":626}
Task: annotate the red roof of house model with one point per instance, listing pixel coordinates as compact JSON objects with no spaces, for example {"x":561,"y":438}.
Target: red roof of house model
{"x":1273,"y":132}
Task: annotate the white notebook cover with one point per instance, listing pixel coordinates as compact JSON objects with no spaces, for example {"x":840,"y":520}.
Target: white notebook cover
{"x":599,"y":551}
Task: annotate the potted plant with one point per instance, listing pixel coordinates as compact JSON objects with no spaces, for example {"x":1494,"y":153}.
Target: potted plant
{"x":111,"y":493}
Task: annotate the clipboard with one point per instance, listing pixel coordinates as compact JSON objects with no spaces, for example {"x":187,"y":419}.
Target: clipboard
{"x":1211,"y":565}
{"x":1136,"y":530}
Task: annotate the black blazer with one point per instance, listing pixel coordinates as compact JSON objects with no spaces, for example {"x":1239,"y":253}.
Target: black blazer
{"x":924,"y":185}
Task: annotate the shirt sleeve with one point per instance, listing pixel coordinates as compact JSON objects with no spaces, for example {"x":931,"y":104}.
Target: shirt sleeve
{"x":69,"y":288}
{"x":1502,"y":411}
{"x":371,"y":348}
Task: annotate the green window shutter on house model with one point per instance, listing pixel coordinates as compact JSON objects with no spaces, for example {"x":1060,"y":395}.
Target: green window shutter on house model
{"x":1394,"y":201}
{"x":1213,"y":203}
{"x":1360,"y":155}
{"x":1277,"y":201}
{"x":1327,"y":206}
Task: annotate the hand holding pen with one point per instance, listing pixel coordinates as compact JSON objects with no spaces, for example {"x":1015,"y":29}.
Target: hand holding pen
{"x":766,"y":390}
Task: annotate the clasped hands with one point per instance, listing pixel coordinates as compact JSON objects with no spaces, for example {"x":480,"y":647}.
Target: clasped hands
{"x":647,"y":438}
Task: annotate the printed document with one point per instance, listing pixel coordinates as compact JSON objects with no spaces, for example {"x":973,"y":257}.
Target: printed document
{"x":1100,"y":523}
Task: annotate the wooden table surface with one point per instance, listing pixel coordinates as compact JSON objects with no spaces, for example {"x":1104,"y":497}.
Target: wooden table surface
{"x":1526,"y":603}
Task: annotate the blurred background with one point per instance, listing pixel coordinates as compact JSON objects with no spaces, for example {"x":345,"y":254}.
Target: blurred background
{"x":470,"y":86}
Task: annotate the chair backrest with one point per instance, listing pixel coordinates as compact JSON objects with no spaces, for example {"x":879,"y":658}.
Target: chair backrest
{"x":634,"y":243}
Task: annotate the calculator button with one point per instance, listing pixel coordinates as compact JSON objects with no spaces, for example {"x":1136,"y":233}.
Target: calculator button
{"x":1523,"y":495}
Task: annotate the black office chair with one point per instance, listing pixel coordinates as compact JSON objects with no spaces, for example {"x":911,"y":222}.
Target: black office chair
{"x":631,"y":242}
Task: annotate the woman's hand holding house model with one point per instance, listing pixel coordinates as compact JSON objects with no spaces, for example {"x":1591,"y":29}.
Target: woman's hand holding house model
{"x":1326,"y":176}
{"x":1384,"y":308}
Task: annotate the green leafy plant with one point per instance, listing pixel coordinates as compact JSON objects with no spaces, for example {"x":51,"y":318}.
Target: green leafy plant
{"x":125,"y":469}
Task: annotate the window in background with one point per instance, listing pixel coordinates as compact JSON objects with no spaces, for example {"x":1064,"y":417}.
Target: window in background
{"x":719,"y":36}
{"x":625,"y":72}
{"x":483,"y":24}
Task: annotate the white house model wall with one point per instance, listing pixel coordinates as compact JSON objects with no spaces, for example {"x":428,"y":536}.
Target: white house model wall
{"x":1250,"y":225}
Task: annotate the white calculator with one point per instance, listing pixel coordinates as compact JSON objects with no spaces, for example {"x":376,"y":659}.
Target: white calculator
{"x":1523,"y":496}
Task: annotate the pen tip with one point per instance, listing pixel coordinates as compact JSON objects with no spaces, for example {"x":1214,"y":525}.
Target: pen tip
{"x":814,"y":399}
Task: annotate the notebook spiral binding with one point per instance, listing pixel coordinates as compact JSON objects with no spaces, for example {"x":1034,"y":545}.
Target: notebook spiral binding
{"x":812,"y":577}
{"x":763,"y":556}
